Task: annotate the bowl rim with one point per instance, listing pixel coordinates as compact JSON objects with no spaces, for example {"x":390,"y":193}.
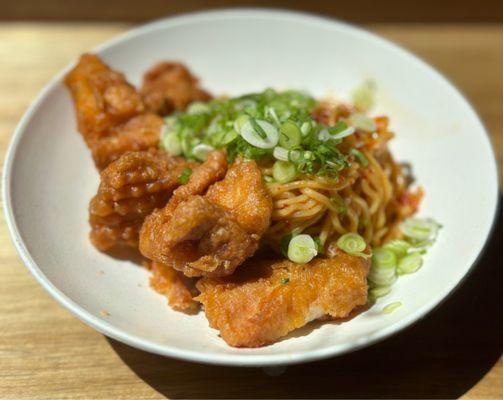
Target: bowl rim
{"x":244,"y":359}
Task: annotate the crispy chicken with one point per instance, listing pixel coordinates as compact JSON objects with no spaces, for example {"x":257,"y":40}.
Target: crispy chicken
{"x":130,"y":189}
{"x":169,"y":86}
{"x":210,"y":234}
{"x":266,"y":299}
{"x":110,"y":113}
{"x":177,"y":288}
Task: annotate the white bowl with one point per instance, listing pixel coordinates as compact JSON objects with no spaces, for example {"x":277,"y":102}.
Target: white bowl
{"x":49,"y":176}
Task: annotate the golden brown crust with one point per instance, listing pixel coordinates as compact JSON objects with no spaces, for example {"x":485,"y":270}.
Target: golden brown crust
{"x":178,"y":289}
{"x":169,"y":86}
{"x":243,"y":194}
{"x":138,"y":134}
{"x":210,"y":235}
{"x":110,"y":113}
{"x":264,"y":300}
{"x":130,"y":189}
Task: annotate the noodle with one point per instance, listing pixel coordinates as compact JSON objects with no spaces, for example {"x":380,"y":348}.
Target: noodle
{"x":369,"y":199}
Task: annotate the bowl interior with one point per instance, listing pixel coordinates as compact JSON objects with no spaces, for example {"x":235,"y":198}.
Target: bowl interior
{"x":50,"y":177}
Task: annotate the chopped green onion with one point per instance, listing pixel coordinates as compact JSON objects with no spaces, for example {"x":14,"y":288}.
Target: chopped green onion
{"x":302,"y":249}
{"x":364,"y":96}
{"x":308,"y":155}
{"x":391,"y":307}
{"x":198,"y":108}
{"x":346,"y":132}
{"x":362,"y":122}
{"x":305,"y":128}
{"x":420,"y":231}
{"x":171,"y":143}
{"x":284,"y":280}
{"x":227,"y":137}
{"x":240,"y":121}
{"x":353,"y":244}
{"x":409,"y":264}
{"x":259,"y":133}
{"x":284,"y":171}
{"x":362,"y":158}
{"x":324,"y":135}
{"x":272,"y":112}
{"x":319,"y":245}
{"x":201,"y":151}
{"x":398,"y":246}
{"x":280,"y":153}
{"x":383,"y":270}
{"x":283,"y":244}
{"x":290,"y":135}
{"x":378,"y":292}
{"x":185,"y":175}
{"x":258,"y":128}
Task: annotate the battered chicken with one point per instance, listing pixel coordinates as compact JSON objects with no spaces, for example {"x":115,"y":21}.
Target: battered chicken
{"x":178,"y":289}
{"x":169,"y":86}
{"x":157,"y":226}
{"x":110,"y":113}
{"x":130,"y":189}
{"x":264,"y":300}
{"x":210,"y":235}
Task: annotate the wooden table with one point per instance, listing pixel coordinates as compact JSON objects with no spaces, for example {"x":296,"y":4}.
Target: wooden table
{"x":47,"y":353}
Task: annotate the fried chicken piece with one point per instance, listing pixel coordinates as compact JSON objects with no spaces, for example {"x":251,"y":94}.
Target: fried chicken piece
{"x":204,"y":239}
{"x":177,"y":288}
{"x":210,"y":235}
{"x":243,"y":194}
{"x":110,"y":113}
{"x":157,"y":225}
{"x":138,"y":134}
{"x":265,"y":299}
{"x":130,"y":189}
{"x":169,"y":86}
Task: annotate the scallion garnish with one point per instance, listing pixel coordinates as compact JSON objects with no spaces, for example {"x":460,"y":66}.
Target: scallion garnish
{"x":201,"y":151}
{"x":302,"y":249}
{"x":171,"y":144}
{"x":252,"y":126}
{"x":353,"y":244}
{"x":184,"y":176}
{"x":398,"y":246}
{"x":420,"y":231}
{"x":383,"y":269}
{"x":409,"y":264}
{"x":290,"y":135}
{"x":378,"y":292}
{"x":280,"y":153}
{"x":259,"y":133}
{"x":362,"y":122}
{"x":283,"y":244}
{"x":364,"y":95}
{"x":391,"y":307}
{"x":284,"y":171}
{"x":362,"y":159}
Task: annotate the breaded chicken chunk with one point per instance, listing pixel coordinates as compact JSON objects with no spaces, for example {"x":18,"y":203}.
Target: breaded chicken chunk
{"x":138,"y":134}
{"x":130,"y":189}
{"x":110,"y":113}
{"x":169,"y":86}
{"x":266,"y":299}
{"x":243,"y":194}
{"x":177,"y":288}
{"x":210,"y":234}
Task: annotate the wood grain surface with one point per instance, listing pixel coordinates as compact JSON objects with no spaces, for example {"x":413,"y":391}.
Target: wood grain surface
{"x":354,"y":10}
{"x":455,"y":351}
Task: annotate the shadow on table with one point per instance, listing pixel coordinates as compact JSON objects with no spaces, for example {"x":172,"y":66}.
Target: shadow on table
{"x":442,"y":356}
